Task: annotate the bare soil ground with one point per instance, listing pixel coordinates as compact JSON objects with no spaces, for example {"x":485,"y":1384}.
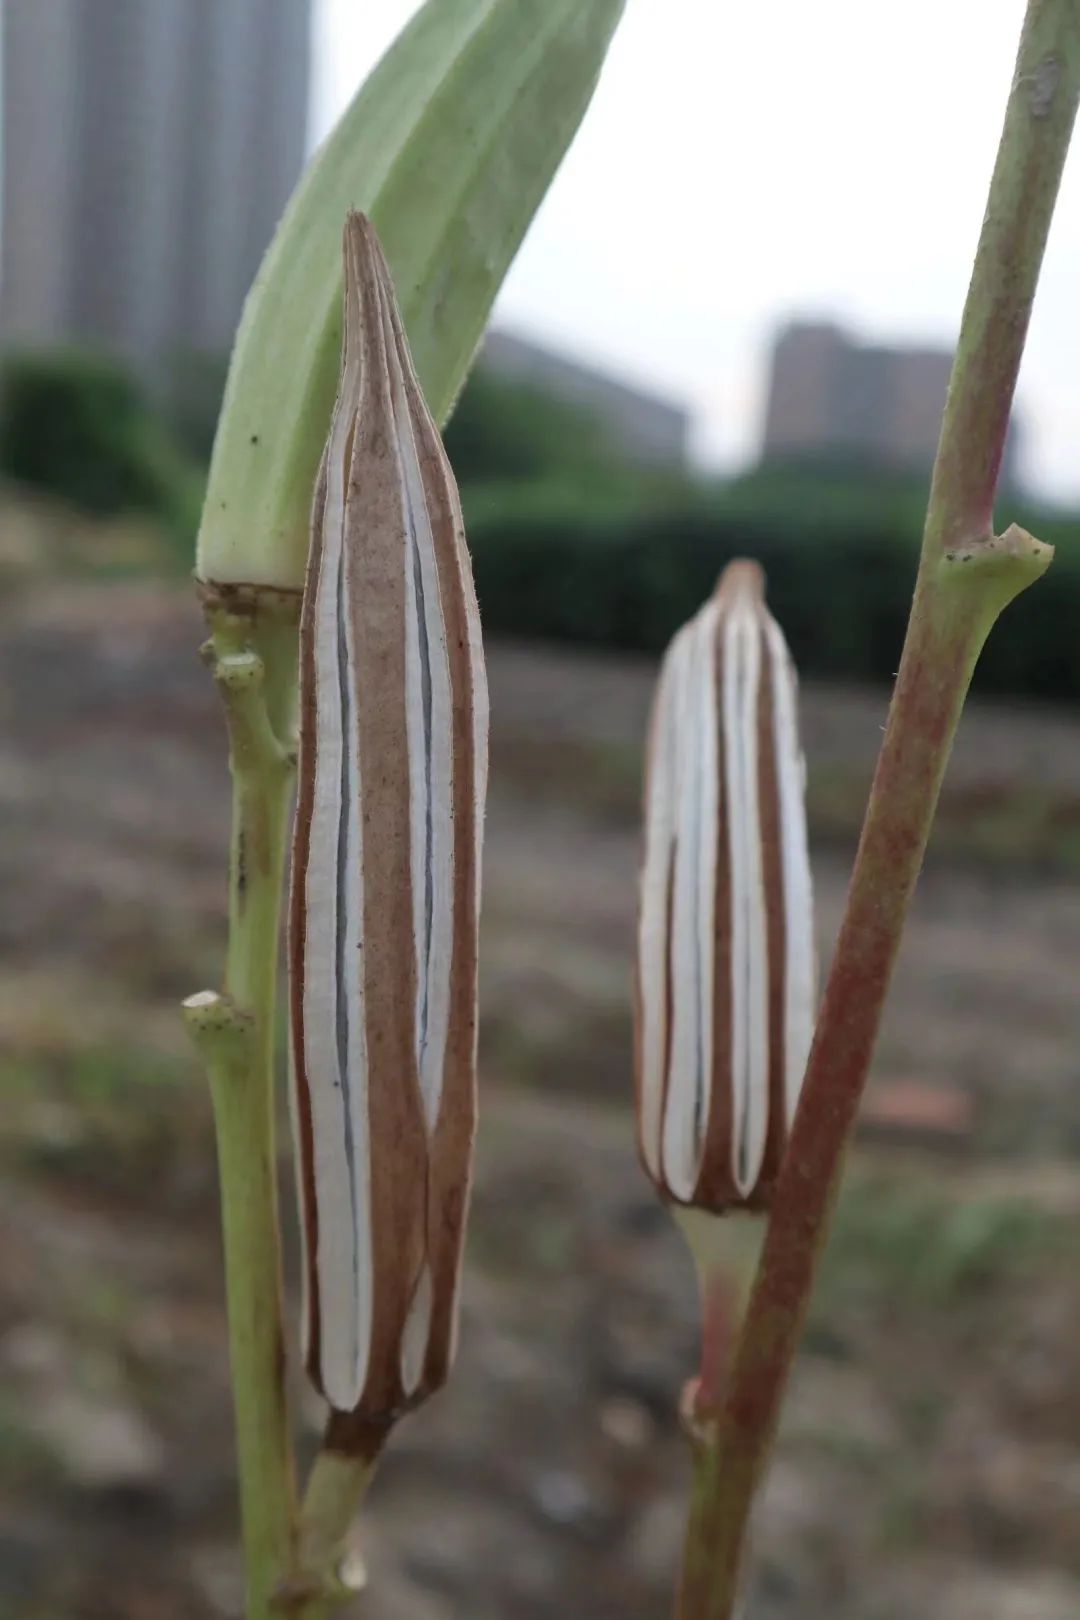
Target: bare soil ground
{"x":930,"y":1458}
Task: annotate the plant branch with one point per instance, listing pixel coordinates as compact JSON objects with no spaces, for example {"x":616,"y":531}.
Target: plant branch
{"x":252,"y":654}
{"x":337,"y":1485}
{"x":966,"y":577}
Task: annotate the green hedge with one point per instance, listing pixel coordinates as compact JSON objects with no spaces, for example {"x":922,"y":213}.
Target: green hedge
{"x":77,"y":426}
{"x":510,"y":431}
{"x":562,"y":564}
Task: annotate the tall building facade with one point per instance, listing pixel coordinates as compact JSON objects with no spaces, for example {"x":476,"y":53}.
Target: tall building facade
{"x":830,"y":396}
{"x":149,"y":147}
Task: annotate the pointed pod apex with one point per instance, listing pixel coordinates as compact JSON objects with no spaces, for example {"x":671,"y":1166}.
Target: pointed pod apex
{"x":385,"y":876}
{"x":726,"y":966}
{"x":742,"y":580}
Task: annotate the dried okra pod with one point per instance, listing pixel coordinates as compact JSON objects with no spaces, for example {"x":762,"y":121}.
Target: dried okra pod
{"x":385,"y":877}
{"x":725,"y":974}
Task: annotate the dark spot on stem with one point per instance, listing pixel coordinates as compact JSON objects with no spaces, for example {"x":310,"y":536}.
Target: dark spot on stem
{"x":241,"y":865}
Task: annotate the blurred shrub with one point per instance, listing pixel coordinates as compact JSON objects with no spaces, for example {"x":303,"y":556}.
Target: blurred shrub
{"x":624,"y":570}
{"x":508,"y":430}
{"x":195,"y":390}
{"x":901,"y":1241}
{"x":76,"y":426}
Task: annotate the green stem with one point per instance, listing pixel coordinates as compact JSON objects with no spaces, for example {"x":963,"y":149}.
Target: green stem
{"x":253,"y":657}
{"x":336,"y":1487}
{"x":966,"y":577}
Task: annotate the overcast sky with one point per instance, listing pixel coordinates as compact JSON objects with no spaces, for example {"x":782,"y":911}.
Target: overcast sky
{"x":744,"y":163}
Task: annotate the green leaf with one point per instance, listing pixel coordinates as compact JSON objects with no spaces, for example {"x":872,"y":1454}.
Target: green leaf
{"x":449,"y":146}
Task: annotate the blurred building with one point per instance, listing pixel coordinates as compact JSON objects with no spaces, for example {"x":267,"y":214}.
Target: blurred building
{"x":149,"y":147}
{"x":832,"y":398}
{"x":645,"y":427}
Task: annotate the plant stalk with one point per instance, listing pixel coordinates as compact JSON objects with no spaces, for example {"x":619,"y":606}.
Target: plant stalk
{"x":252,"y":652}
{"x":967,"y":575}
{"x":336,"y":1487}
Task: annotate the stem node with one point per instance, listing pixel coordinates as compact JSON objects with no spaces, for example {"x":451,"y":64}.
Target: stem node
{"x":253,"y":658}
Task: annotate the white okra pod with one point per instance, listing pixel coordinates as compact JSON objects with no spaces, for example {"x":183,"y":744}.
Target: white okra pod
{"x":385,"y":877}
{"x":725,"y":975}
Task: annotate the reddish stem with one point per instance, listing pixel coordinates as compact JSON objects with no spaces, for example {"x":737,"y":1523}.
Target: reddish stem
{"x":966,"y":577}
{"x":930,"y":687}
{"x":717,"y":1333}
